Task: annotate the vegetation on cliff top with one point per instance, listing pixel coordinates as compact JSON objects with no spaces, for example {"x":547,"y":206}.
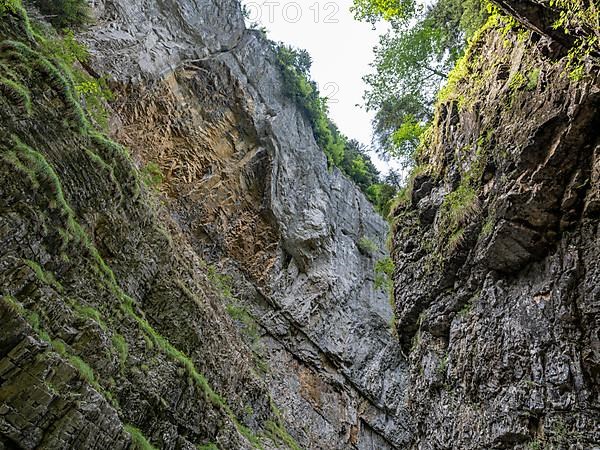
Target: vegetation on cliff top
{"x":418,"y":61}
{"x":348,"y":155}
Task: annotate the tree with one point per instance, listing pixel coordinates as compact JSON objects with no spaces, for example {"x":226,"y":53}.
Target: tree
{"x":411,"y":63}
{"x":358,"y":165}
{"x":395,"y":11}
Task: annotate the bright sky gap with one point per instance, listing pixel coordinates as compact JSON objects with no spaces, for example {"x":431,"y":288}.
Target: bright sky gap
{"x":341,"y":49}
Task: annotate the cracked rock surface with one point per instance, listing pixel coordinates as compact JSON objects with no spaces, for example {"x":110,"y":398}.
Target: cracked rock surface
{"x":497,"y":250}
{"x":250,"y":188}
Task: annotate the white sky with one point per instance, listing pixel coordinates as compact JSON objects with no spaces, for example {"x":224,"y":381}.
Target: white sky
{"x":341,"y":49}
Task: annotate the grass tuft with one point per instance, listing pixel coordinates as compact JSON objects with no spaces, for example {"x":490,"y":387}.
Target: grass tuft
{"x":367,"y":246}
{"x":122,"y":348}
{"x":138,"y":440}
{"x":17,"y":94}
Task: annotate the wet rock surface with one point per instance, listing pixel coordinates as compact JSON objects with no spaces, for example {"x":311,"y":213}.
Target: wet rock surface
{"x":245,"y":187}
{"x":497,"y":254}
{"x":115,"y":329}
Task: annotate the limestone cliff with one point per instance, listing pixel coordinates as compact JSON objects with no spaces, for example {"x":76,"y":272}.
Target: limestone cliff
{"x":497,"y":245}
{"x":109,"y":308}
{"x":230,"y":304}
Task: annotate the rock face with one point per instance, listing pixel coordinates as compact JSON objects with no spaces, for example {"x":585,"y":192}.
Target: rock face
{"x":110,"y":309}
{"x":235,"y":307}
{"x":250,"y":188}
{"x":497,"y":248}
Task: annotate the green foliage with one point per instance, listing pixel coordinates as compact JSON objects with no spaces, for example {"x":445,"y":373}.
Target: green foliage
{"x":357,"y":165}
{"x":44,"y":276}
{"x":582,"y":20}
{"x":66,"y":48}
{"x":15,"y":8}
{"x":84,"y":369}
{"x":458,"y":208}
{"x":93,"y":92}
{"x":44,"y":173}
{"x":138,"y":440}
{"x":384,"y":273}
{"x":152,"y":175}
{"x":121,"y":347}
{"x":460,"y":205}
{"x":240,"y":315}
{"x":367,"y":246}
{"x":457,"y":74}
{"x":411,"y":62}
{"x":65,"y":13}
{"x":391,"y":10}
{"x":54,"y":74}
{"x":382,"y":195}
{"x":409,"y":132}
{"x":279,"y":433}
{"x":9,"y":6}
{"x":16,"y":93}
{"x":533,"y":78}
{"x":517,"y":81}
{"x":209,"y":446}
{"x":55,"y":64}
{"x":30,"y":316}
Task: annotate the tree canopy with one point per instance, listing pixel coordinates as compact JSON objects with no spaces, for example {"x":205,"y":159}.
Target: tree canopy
{"x":395,"y":11}
{"x":411,"y":63}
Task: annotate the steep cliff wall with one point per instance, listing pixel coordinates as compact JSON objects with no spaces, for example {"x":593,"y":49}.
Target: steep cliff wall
{"x":250,"y":188}
{"x":119,"y":329}
{"x":109,"y":322}
{"x":107,"y":303}
{"x":497,"y":245}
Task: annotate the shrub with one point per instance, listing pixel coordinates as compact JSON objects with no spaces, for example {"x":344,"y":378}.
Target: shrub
{"x":9,"y":6}
{"x":460,"y":205}
{"x":382,"y":195}
{"x":367,"y":246}
{"x":384,"y":271}
{"x":533,"y":78}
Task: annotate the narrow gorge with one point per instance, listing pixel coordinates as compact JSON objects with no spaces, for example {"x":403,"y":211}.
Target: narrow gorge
{"x":181,"y":267}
